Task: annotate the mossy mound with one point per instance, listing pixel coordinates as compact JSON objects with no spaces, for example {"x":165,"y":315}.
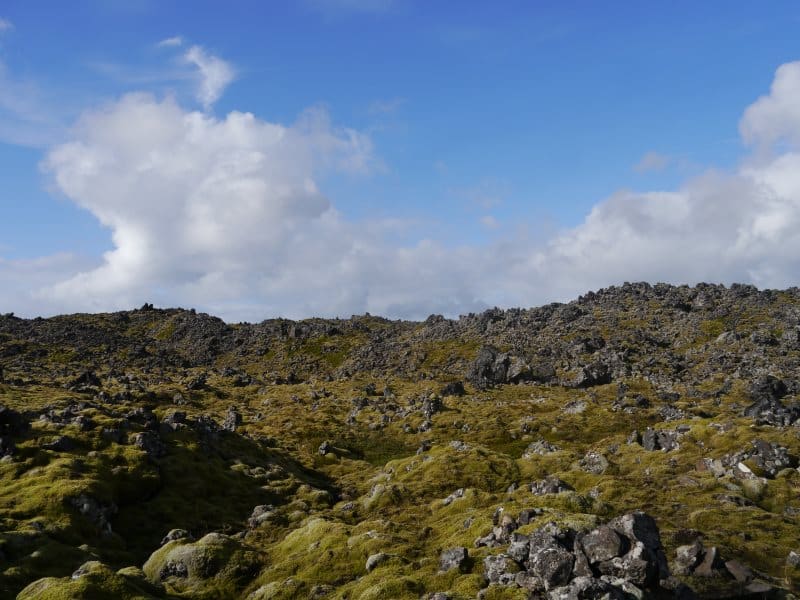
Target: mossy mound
{"x":216,"y":566}
{"x":94,"y":581}
{"x":444,"y":468}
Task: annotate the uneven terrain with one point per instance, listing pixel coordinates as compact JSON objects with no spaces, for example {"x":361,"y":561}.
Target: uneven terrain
{"x":639,"y":442}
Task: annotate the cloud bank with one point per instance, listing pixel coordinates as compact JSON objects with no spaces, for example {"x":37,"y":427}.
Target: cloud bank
{"x":227,"y":214}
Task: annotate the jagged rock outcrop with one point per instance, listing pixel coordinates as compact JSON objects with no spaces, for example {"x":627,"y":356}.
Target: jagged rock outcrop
{"x":624,"y":557}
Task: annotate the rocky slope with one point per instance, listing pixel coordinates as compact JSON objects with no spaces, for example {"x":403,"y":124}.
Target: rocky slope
{"x":639,"y":442}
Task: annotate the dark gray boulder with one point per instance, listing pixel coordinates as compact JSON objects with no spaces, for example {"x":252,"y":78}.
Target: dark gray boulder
{"x":767,"y":387}
{"x":7,"y":446}
{"x":594,"y":462}
{"x":176,"y":534}
{"x":520,"y":547}
{"x":602,"y":544}
{"x":454,"y":388}
{"x":500,"y":569}
{"x":233,"y":419}
{"x":454,"y":558}
{"x":711,"y":564}
{"x":376,"y":560}
{"x":488,"y":369}
{"x":658,"y":439}
{"x":549,"y":485}
{"x":741,"y":573}
{"x":150,"y":442}
{"x":641,"y":529}
{"x":11,"y":421}
{"x":96,"y":512}
{"x":552,"y":564}
{"x":61,"y":443}
{"x":637,"y":567}
{"x":688,"y":557}
{"x":597,"y":373}
{"x":588,"y":588}
{"x":767,"y":407}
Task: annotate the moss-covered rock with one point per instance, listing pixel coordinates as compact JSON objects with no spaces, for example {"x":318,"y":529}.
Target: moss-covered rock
{"x":215,"y":566}
{"x":93,"y":581}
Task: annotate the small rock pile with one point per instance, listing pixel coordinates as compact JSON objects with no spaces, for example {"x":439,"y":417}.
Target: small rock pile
{"x":767,"y":408}
{"x":767,"y":458}
{"x":622,"y":559}
{"x":696,"y":560}
{"x":492,"y":367}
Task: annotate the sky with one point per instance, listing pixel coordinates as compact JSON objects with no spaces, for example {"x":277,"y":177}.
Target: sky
{"x":398,"y":157}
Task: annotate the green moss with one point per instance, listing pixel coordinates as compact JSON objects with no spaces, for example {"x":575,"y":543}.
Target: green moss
{"x":443,"y":353}
{"x":711,"y":329}
{"x":438,"y":472}
{"x":166,"y":331}
{"x":382,"y":586}
{"x":94,"y":581}
{"x":216,"y":566}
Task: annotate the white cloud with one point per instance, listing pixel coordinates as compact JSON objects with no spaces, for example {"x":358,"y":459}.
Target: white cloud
{"x":5,"y":25}
{"x":206,"y":208}
{"x":214,"y":75}
{"x":19,"y":278}
{"x":171,"y":42}
{"x":227,"y":215}
{"x":775,"y":117}
{"x":725,"y":227}
{"x":652,"y":161}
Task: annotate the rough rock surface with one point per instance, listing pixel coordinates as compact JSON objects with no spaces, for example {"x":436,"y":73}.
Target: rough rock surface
{"x":622,"y":557}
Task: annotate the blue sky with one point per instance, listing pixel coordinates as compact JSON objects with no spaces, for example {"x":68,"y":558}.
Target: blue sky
{"x":493,"y":130}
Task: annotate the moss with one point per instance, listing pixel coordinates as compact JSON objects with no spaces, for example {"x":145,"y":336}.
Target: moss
{"x":94,"y":581}
{"x":711,"y":329}
{"x":166,"y":331}
{"x":216,"y":566}
{"x":438,"y":472}
{"x":382,"y":586}
{"x":330,"y":351}
{"x":324,"y":552}
{"x":443,"y":353}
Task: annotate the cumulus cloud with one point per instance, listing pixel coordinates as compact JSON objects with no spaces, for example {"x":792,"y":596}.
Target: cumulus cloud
{"x":724,"y":227}
{"x":228,"y":215}
{"x":214,"y":75}
{"x":208,"y":208}
{"x":775,"y":117}
{"x":21,"y":278}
